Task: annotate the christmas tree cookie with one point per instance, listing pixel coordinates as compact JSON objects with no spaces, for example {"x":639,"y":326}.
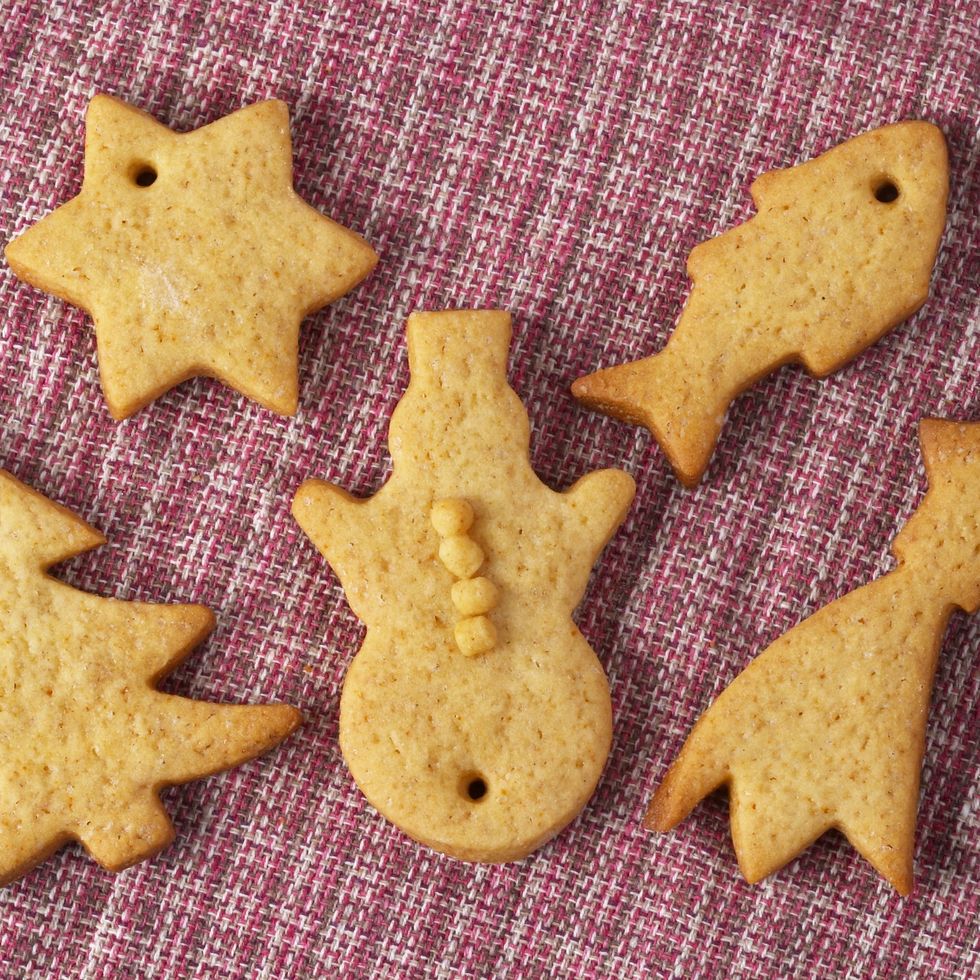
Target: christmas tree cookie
{"x":88,"y":741}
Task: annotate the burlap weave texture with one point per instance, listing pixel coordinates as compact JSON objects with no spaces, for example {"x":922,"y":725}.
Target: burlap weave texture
{"x":559,"y":161}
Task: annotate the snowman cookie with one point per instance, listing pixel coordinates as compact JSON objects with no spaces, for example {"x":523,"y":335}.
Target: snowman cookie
{"x":475,"y":716}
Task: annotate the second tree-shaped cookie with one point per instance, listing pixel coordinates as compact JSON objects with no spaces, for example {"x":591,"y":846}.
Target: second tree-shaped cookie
{"x":826,"y":728}
{"x":475,"y":716}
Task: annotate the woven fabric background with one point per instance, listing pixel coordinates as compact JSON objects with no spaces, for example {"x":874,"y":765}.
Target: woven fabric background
{"x":560,"y":161}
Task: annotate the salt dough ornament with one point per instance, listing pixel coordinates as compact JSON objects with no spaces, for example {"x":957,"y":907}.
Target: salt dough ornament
{"x":840,"y":252}
{"x":88,"y":741}
{"x":193,"y":254}
{"x":475,"y":716}
{"x":826,"y":728}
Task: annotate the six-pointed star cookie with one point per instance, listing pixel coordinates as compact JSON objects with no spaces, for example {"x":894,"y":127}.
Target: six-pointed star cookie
{"x":193,"y":254}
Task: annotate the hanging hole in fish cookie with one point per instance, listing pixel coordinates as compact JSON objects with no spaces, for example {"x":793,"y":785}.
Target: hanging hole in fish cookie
{"x":143,"y":174}
{"x":886,"y":191}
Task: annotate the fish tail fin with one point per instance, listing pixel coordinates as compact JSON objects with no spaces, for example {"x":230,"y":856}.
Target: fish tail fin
{"x":660,"y":395}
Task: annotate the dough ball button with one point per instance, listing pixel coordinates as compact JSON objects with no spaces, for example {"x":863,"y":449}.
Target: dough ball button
{"x":461,"y":555}
{"x":451,"y":516}
{"x":474,"y":596}
{"x":475,"y":635}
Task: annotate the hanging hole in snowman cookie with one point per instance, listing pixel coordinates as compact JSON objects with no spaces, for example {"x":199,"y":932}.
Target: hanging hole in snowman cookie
{"x":474,"y":787}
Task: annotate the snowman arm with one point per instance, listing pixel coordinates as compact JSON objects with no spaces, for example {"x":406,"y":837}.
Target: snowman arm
{"x":338,"y":525}
{"x":595,"y":507}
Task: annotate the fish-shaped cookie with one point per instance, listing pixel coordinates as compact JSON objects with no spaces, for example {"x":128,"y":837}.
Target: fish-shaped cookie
{"x":840,"y":252}
{"x":475,"y":716}
{"x":826,"y":728}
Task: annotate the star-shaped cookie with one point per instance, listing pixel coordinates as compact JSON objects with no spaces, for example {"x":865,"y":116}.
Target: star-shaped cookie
{"x":193,"y":254}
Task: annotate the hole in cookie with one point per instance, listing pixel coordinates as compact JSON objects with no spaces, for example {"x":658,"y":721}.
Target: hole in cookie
{"x":886,"y":191}
{"x":144,"y":176}
{"x":476,"y":788}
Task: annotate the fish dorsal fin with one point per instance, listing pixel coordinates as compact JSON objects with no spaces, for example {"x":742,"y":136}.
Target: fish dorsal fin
{"x":771,"y":188}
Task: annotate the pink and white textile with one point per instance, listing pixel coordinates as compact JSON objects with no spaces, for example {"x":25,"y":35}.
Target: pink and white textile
{"x":558,"y":160}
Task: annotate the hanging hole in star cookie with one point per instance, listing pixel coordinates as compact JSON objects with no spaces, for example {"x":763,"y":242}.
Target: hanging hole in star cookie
{"x":886,"y":191}
{"x":144,"y":175}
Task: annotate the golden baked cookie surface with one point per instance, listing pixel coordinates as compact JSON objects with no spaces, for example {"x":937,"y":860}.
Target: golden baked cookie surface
{"x":475,"y":716}
{"x":826,"y":727}
{"x":87,"y":741}
{"x":193,"y":254}
{"x":840,"y":251}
